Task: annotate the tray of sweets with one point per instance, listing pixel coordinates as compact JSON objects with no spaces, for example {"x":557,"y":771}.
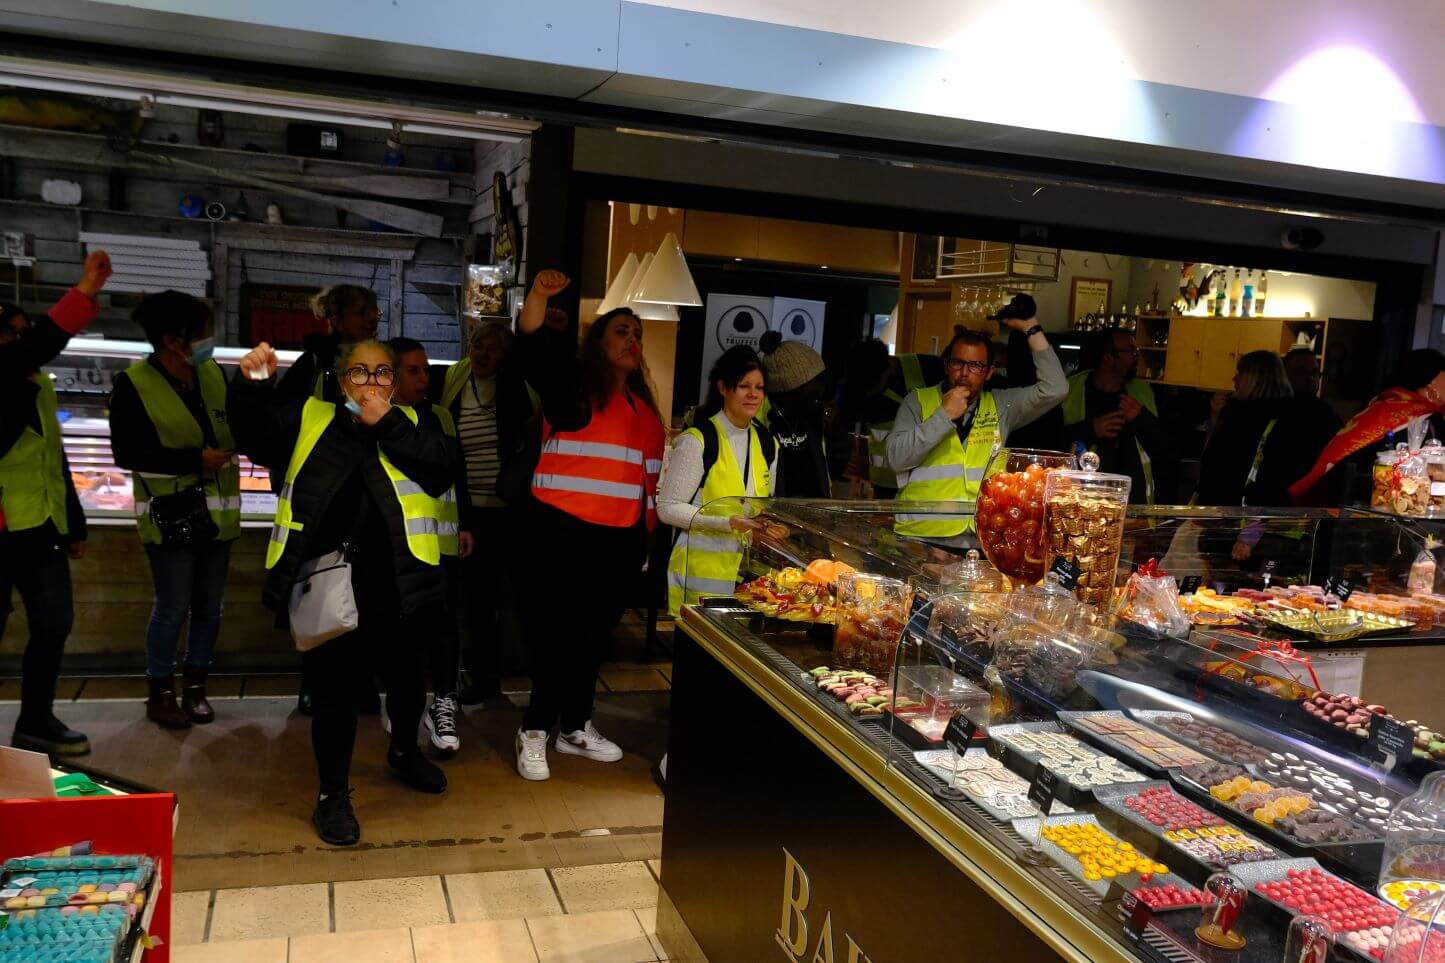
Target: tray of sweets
{"x":1093,"y":855}
{"x":1199,"y":835}
{"x":1361,"y":921}
{"x":997,"y":789}
{"x":1146,"y":749}
{"x":1335,"y":626}
{"x":1081,"y":768}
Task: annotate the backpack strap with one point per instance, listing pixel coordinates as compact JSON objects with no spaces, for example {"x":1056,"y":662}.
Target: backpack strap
{"x":767,"y":442}
{"x":709,"y":450}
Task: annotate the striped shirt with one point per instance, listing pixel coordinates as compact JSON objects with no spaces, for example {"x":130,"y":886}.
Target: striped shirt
{"x":477,"y":432}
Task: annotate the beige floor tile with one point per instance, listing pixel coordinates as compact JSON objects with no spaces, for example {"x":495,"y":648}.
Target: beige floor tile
{"x":188,"y":917}
{"x":493,"y":941}
{"x":267,"y":911}
{"x":656,"y":866}
{"x":640,"y":679}
{"x":362,"y":946}
{"x":508,"y":894}
{"x":409,"y":901}
{"x":609,"y":886}
{"x":241,"y":951}
{"x":613,"y":936}
{"x":648,"y":918}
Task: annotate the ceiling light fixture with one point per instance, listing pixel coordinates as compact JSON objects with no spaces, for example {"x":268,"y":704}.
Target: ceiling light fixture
{"x":616,"y":296}
{"x":645,"y":310}
{"x":668,"y":280}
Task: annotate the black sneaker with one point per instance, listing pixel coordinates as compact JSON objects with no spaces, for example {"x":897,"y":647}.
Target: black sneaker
{"x":50,"y":736}
{"x":417,"y":771}
{"x":440,"y":721}
{"x":336,"y":821}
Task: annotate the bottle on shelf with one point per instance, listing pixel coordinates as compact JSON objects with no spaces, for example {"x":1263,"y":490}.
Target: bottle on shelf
{"x":1236,"y":291}
{"x":1260,"y":290}
{"x":1246,"y":304}
{"x":1219,"y":294}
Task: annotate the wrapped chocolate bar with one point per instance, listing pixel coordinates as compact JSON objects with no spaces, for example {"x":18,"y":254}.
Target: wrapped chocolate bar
{"x":1084,"y":524}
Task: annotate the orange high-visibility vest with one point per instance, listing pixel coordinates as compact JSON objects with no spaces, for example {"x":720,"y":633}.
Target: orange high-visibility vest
{"x":606,"y":473}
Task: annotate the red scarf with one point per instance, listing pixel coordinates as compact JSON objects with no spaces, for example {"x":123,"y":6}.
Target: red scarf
{"x":1391,"y":410}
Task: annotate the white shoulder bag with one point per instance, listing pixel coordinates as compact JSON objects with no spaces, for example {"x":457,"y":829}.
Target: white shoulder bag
{"x":323,"y":604}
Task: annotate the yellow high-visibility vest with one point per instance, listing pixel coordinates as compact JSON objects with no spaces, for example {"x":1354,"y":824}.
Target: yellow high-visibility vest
{"x":952,"y":471}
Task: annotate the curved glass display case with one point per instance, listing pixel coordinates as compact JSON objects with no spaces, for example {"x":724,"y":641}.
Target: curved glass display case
{"x":1112,"y":756}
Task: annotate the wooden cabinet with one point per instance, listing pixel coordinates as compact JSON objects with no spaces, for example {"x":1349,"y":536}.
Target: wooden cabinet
{"x":1259,"y":334}
{"x":1185,"y":348}
{"x":932,"y":317}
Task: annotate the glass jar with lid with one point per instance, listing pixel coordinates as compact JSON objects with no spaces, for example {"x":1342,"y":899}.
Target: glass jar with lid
{"x":1084,"y":524}
{"x":1414,"y":863}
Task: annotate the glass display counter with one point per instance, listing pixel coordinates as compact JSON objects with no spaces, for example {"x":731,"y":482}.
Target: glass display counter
{"x":883,"y":750}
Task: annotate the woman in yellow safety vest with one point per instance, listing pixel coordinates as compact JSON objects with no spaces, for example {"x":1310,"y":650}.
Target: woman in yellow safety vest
{"x":738,"y":460}
{"x":170,"y":430}
{"x":367,"y":477}
{"x":42,"y":526}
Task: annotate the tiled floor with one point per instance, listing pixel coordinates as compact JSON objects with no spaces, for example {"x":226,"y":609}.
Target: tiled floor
{"x":505,"y":916}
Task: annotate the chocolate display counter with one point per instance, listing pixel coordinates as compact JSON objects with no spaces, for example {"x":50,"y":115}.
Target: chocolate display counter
{"x":880,"y":750}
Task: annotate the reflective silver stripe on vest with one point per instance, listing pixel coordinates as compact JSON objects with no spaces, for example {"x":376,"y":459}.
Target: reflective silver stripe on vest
{"x":593,"y":449}
{"x":445,"y":529}
{"x":927,"y":473}
{"x":406,"y":486}
{"x":278,"y":534}
{"x":878,"y":461}
{"x":141,"y":509}
{"x":230,"y":503}
{"x":654,"y":466}
{"x":285,"y":495}
{"x":708,"y":543}
{"x":588,"y":486}
{"x":973,"y":474}
{"x":700,"y":586}
{"x":423,"y":526}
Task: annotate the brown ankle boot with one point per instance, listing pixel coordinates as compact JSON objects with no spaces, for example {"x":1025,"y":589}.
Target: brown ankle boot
{"x":161,"y":707}
{"x":193,"y":696}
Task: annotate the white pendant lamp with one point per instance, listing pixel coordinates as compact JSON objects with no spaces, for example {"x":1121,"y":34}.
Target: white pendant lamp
{"x":645,"y":310}
{"x":668,"y":281}
{"x":616,"y":295}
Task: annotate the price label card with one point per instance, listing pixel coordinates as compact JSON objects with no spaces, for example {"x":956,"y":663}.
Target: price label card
{"x":1390,"y":740}
{"x":1136,"y":915}
{"x":1190,"y":585}
{"x":1068,"y":572}
{"x":1041,"y":790}
{"x":1339,"y":587}
{"x":959,"y":733}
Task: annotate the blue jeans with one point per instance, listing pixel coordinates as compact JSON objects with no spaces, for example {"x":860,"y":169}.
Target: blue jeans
{"x":187,"y":580}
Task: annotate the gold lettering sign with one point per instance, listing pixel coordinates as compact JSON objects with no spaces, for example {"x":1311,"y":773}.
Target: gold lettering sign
{"x":792,"y":934}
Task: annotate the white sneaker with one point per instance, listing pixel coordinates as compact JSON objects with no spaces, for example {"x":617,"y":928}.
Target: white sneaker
{"x":440,"y":722}
{"x":385,"y":719}
{"x":588,"y":742}
{"x":532,"y":755}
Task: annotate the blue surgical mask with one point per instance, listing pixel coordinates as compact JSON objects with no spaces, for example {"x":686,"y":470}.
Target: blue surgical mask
{"x":351,"y":405}
{"x":202,"y":350}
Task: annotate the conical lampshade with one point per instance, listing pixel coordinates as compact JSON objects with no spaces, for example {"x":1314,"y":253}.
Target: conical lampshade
{"x":668,"y":281}
{"x":617,"y":292}
{"x":644,"y":310}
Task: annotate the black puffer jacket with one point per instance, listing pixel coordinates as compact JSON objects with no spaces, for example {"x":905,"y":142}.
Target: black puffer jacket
{"x":422,"y":452}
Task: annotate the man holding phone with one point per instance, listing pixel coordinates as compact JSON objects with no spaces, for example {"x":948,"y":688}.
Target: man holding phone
{"x":944,"y":434}
{"x":1112,"y":413}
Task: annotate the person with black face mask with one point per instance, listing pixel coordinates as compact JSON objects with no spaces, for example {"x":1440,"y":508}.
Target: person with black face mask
{"x":42,"y":526}
{"x":169,"y":427}
{"x":797,"y":415}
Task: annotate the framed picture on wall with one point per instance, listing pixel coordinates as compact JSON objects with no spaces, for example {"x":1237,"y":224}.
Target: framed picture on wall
{"x":1089,"y":295}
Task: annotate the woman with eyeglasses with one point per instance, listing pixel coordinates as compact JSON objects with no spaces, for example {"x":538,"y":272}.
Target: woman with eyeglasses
{"x":367,"y":476}
{"x":170,"y":429}
{"x":594,"y":492}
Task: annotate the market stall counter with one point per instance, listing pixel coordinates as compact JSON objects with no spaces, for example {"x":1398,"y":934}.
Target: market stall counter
{"x":882,"y":749}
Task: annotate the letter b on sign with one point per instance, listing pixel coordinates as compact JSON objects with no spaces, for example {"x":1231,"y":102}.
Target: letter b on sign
{"x":793,"y":930}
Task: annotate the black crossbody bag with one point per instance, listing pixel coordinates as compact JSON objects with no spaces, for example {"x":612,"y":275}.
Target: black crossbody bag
{"x":182,"y":518}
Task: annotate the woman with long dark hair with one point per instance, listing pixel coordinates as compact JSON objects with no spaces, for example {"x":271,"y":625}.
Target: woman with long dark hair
{"x":738,"y":461}
{"x":602,"y":441}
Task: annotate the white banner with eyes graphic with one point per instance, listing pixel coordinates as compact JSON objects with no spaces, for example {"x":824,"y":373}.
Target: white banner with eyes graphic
{"x":731,"y":319}
{"x":800,"y":320}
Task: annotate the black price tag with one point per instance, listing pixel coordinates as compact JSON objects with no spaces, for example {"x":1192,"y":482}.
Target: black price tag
{"x":1339,"y":587}
{"x":1190,"y":585}
{"x":959,"y":733}
{"x":1068,"y":572}
{"x":1041,"y":790}
{"x":1136,"y":915}
{"x":1391,"y":741}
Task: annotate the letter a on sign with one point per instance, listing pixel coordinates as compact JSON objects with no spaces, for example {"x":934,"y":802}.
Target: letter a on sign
{"x":823,"y":953}
{"x":793,"y":930}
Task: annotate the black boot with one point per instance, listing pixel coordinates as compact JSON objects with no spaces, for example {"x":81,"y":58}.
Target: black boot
{"x":417,"y":771}
{"x":335,"y":820}
{"x":193,"y":696}
{"x":161,"y":705}
{"x":47,"y":734}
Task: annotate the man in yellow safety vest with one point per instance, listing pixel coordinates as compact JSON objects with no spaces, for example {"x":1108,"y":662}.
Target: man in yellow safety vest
{"x":943,"y":435}
{"x":1111,"y":412}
